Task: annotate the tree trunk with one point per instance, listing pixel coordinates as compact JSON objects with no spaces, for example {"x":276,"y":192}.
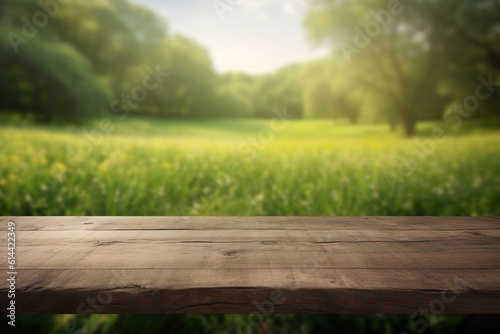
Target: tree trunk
{"x":393,"y":125}
{"x":353,"y":119}
{"x":409,"y":124}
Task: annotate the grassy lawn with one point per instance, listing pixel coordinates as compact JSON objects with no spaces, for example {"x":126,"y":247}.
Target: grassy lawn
{"x":247,"y":167}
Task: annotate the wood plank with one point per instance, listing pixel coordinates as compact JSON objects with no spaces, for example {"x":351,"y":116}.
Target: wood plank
{"x":253,"y":223}
{"x":235,"y":257}
{"x":473,"y":253}
{"x":245,"y":290}
{"x":226,"y":264}
{"x":35,"y":238}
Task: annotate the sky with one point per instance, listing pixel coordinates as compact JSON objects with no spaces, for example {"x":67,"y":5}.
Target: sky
{"x":254,"y":36}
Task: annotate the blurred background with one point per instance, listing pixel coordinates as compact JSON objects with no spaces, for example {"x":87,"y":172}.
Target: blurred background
{"x":250,"y":107}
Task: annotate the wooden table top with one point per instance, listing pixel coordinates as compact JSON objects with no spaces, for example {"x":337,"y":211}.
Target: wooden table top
{"x":254,"y":264}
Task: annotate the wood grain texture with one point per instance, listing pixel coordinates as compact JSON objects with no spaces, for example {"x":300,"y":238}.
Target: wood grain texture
{"x":255,"y":264}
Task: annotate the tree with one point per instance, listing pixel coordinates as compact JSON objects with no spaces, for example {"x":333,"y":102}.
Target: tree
{"x":191,"y":86}
{"x":392,"y":51}
{"x":327,"y":93}
{"x":475,"y":23}
{"x":93,"y":49}
{"x":472,"y":40}
{"x":114,"y":35}
{"x":282,"y":89}
{"x":236,"y":95}
{"x":49,"y":79}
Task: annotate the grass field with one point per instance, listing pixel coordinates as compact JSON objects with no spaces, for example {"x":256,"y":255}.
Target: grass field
{"x":241,"y":167}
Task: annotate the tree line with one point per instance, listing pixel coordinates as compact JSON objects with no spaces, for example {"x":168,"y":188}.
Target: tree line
{"x":392,"y":61}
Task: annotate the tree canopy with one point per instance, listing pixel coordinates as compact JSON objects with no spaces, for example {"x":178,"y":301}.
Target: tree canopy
{"x":408,"y":54}
{"x":396,"y":61}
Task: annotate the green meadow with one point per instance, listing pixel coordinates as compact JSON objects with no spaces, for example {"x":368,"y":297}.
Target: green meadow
{"x":141,"y":166}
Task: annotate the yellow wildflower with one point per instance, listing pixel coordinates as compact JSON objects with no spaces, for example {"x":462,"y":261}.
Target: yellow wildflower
{"x":166,"y":165}
{"x":58,"y":169}
{"x":103,"y":167}
{"x":15,"y":159}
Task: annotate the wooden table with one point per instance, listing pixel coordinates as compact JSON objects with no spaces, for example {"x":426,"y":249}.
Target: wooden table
{"x":255,"y":264}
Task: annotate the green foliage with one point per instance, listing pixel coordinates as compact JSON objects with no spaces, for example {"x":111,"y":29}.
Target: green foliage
{"x":91,"y":49}
{"x":191,"y":85}
{"x":237,"y":96}
{"x":410,"y":56}
{"x":423,"y":57}
{"x":308,"y":168}
{"x":328,"y":93}
{"x":275,"y":323}
{"x":50,"y":79}
{"x":318,"y":101}
{"x":287,"y":90}
{"x":232,"y":102}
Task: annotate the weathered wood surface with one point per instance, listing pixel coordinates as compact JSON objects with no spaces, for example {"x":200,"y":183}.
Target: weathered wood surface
{"x":255,"y":264}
